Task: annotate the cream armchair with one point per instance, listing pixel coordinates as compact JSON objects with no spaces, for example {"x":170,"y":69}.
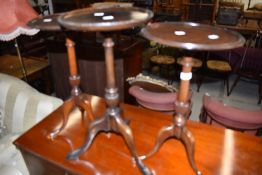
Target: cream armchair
{"x":21,"y":107}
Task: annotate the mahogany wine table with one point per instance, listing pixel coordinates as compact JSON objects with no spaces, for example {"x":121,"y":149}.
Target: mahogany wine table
{"x":217,"y":150}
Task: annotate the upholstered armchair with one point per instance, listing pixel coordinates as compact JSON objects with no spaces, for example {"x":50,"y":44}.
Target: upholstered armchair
{"x":21,"y":107}
{"x":217,"y":113}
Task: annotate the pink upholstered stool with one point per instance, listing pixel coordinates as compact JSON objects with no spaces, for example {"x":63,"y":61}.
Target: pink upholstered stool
{"x":217,"y":113}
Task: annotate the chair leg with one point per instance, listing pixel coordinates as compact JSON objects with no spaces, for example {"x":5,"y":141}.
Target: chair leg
{"x":227,"y":85}
{"x":260,"y":92}
{"x":200,"y":77}
{"x":203,"y":116}
{"x":234,"y":84}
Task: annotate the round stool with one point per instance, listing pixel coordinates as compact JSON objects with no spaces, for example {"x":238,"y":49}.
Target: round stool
{"x":165,"y":63}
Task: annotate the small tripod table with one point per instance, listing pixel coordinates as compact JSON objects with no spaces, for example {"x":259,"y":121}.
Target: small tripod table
{"x":49,"y":23}
{"x":190,"y":36}
{"x":108,"y":20}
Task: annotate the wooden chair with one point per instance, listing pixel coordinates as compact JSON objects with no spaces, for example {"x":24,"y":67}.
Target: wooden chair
{"x":250,"y":68}
{"x":217,"y":68}
{"x":165,"y":63}
{"x":216,"y":113}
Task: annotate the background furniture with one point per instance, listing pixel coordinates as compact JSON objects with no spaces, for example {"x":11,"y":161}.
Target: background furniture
{"x":165,"y":64}
{"x":153,"y":94}
{"x":253,"y":13}
{"x":216,"y":149}
{"x":154,"y":100}
{"x":21,"y":107}
{"x":218,"y":68}
{"x":167,"y":10}
{"x":13,"y":22}
{"x":250,"y":67}
{"x":229,"y":12}
{"x":203,"y":11}
{"x":37,"y":71}
{"x":216,"y":113}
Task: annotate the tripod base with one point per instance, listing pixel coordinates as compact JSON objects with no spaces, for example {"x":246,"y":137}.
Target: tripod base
{"x":111,"y":122}
{"x":181,"y":133}
{"x":83,"y":103}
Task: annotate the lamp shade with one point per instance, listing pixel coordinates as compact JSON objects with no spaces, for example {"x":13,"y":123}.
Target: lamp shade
{"x":14,"y":15}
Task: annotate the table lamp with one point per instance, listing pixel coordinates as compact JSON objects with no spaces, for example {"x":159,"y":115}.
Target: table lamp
{"x":14,"y":15}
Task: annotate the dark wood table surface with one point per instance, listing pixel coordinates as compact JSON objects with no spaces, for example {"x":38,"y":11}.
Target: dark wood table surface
{"x":217,"y":150}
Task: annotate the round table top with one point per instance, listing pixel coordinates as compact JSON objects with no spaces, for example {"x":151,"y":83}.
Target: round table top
{"x":47,"y":23}
{"x":192,"y":36}
{"x":105,"y":19}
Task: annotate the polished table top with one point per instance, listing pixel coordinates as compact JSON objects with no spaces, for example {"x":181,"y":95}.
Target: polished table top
{"x":217,"y":151}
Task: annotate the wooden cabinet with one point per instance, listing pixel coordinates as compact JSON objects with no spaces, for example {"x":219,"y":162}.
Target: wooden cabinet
{"x":167,"y":10}
{"x":90,"y":58}
{"x":203,"y":11}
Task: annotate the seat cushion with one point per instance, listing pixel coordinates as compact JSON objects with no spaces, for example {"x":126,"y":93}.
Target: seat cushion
{"x":162,"y":59}
{"x":218,"y":65}
{"x":196,"y":63}
{"x":23,"y":106}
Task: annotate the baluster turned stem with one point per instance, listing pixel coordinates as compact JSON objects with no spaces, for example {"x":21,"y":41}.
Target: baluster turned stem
{"x":185,"y":81}
{"x":71,"y":57}
{"x":109,"y":54}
